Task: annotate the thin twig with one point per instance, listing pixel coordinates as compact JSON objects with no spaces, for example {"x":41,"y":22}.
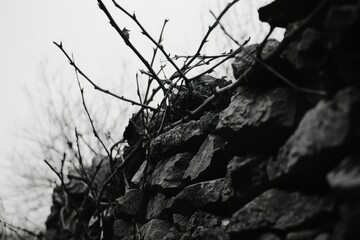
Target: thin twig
{"x":211,"y":28}
{"x":96,"y":87}
{"x":14,"y":229}
{"x":159,"y":46}
{"x":251,"y":70}
{"x":129,"y":44}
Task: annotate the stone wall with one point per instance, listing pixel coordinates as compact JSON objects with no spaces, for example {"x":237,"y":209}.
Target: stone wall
{"x":268,"y":161}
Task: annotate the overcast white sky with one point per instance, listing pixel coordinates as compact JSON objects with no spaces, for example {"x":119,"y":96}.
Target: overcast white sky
{"x":27,"y":29}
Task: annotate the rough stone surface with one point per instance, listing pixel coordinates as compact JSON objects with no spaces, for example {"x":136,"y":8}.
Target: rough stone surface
{"x":209,"y":162}
{"x":345,"y":178}
{"x":203,"y":87}
{"x":128,"y":204}
{"x":180,"y":222}
{"x":318,"y":143}
{"x":275,"y":209}
{"x":199,"y":195}
{"x":205,"y":226}
{"x":246,"y":178}
{"x":307,"y":52}
{"x":243,"y":60}
{"x":156,"y":207}
{"x":168,"y":174}
{"x":122,"y":228}
{"x":154,"y":230}
{"x":257,"y":118}
{"x":183,"y":137}
{"x":173,"y":234}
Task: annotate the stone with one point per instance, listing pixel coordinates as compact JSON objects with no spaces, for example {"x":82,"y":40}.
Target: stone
{"x":180,"y":222}
{"x":243,"y":60}
{"x":121,"y":228}
{"x":156,"y":207}
{"x":155,"y":229}
{"x":203,"y":195}
{"x":168,"y":174}
{"x":203,"y":87}
{"x":280,"y":210}
{"x":280,"y":13}
{"x":258,"y":119}
{"x":128,"y":204}
{"x":139,"y":175}
{"x":184,"y":137}
{"x":173,"y":234}
{"x":307,"y":51}
{"x":319,"y":141}
{"x":246,"y":178}
{"x":209,"y":162}
{"x":344,"y":179}
{"x":206,"y":226}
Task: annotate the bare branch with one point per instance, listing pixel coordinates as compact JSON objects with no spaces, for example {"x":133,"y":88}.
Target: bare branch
{"x":129,"y":44}
{"x":72,"y":63}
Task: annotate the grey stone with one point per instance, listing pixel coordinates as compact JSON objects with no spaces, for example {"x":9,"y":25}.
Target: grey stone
{"x":183,"y":137}
{"x":168,"y":174}
{"x":243,"y":60}
{"x":319,"y":141}
{"x":122,"y":228}
{"x":156,"y":206}
{"x":275,"y":209}
{"x":154,"y":230}
{"x":209,"y":162}
{"x":344,"y":179}
{"x":199,"y":195}
{"x":180,"y":222}
{"x":258,"y":118}
{"x":128,"y":204}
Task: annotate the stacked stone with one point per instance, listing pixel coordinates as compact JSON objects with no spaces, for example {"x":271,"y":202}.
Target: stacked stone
{"x":274,"y":163}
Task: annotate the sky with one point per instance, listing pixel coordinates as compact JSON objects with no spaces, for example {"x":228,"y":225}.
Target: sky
{"x":28,"y":28}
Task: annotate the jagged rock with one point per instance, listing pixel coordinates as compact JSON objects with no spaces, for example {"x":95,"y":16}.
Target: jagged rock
{"x":243,"y":60}
{"x":121,"y":228}
{"x":319,"y":141}
{"x":282,"y":12}
{"x":280,"y":210}
{"x":180,"y":222}
{"x":139,"y":175}
{"x":209,"y":162}
{"x":345,"y":178}
{"x":128,"y":204}
{"x":154,"y":230}
{"x":203,"y":195}
{"x":246,"y":178}
{"x":206,"y":226}
{"x":203,"y":87}
{"x":258,"y":119}
{"x":173,"y":234}
{"x":307,"y":51}
{"x":156,"y":207}
{"x":168,"y":174}
{"x":183,"y":137}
